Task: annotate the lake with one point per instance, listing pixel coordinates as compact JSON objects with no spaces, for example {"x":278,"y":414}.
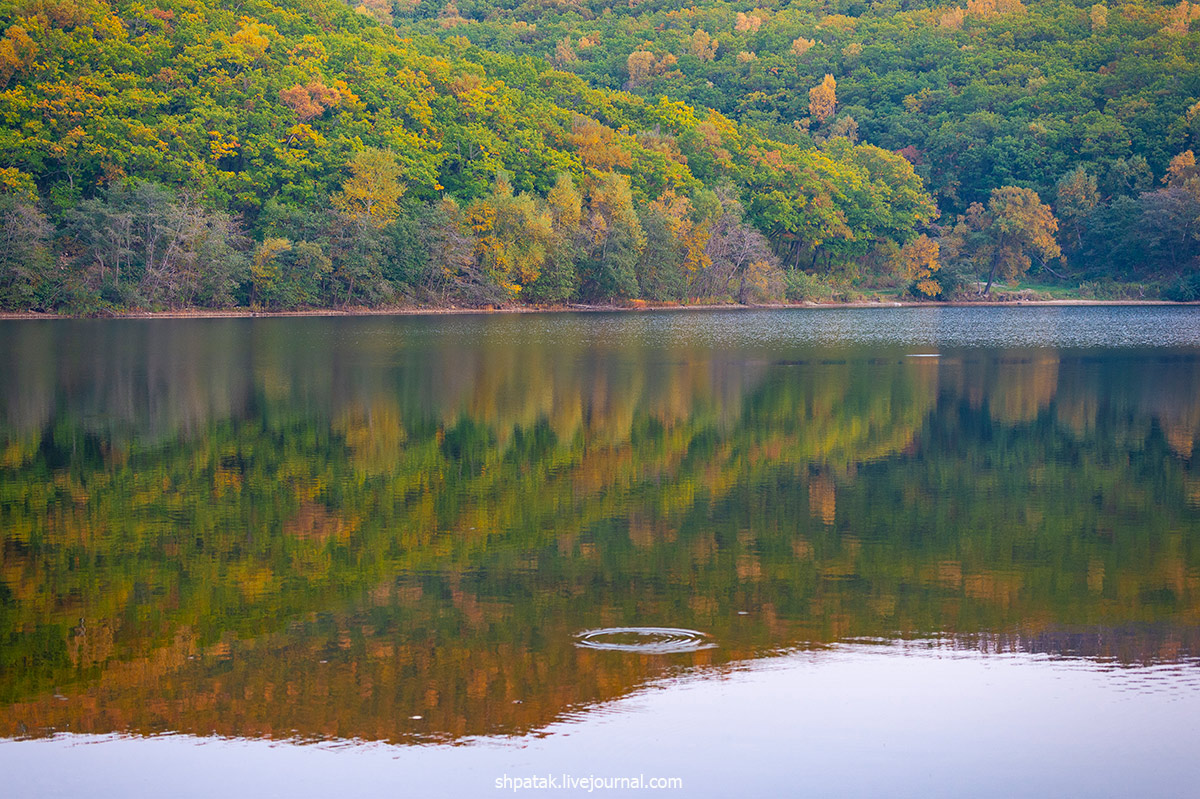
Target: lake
{"x":910,"y":551}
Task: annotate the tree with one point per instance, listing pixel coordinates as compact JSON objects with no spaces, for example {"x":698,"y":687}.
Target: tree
{"x":374,"y":188}
{"x":1170,"y":225}
{"x":597,"y":144}
{"x":25,"y":257}
{"x":800,"y":46}
{"x":640,"y":65}
{"x":822,"y":99}
{"x":1128,"y":177}
{"x":733,"y":248}
{"x":311,"y":100}
{"x":1001,"y":237}
{"x":266,"y":273}
{"x":918,"y":262}
{"x":703,"y":46}
{"x":613,"y":240}
{"x":1182,"y":172}
{"x":559,"y":280}
{"x":453,"y":271}
{"x":1077,"y":198}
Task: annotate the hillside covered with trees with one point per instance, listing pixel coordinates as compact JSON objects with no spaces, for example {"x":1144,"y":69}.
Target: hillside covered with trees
{"x":304,"y":153}
{"x":1094,"y":108}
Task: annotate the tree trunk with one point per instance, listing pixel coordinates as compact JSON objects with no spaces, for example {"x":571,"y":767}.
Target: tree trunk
{"x":991,"y":275}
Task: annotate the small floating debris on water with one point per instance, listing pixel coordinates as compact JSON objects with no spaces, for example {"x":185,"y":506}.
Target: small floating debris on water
{"x":645,"y":640}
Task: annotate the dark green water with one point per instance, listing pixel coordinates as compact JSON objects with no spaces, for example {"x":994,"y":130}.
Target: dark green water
{"x":319,"y":529}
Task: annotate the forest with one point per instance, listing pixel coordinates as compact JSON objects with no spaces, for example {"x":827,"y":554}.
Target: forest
{"x":181,"y":154}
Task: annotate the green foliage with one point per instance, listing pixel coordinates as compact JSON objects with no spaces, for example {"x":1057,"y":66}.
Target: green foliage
{"x":314,"y":124}
{"x":1080,"y":103}
{"x":1017,"y":96}
{"x":1185,"y":289}
{"x":1109,"y":289}
{"x":25,"y":257}
{"x":804,"y":287}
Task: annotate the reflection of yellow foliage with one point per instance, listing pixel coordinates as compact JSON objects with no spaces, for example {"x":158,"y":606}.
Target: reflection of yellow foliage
{"x":1023,"y":389}
{"x":313,"y":522}
{"x":1003,"y":588}
{"x":91,"y":643}
{"x":1181,"y":439}
{"x":946,"y":573}
{"x":375,"y":434}
{"x":822,"y":499}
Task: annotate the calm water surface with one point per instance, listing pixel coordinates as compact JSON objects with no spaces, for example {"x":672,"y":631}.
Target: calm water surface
{"x":839,"y":552}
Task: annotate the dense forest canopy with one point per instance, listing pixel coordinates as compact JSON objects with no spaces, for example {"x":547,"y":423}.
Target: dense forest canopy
{"x":305,"y":153}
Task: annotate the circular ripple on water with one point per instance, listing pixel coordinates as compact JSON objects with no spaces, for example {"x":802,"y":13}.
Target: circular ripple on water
{"x":647,"y":640}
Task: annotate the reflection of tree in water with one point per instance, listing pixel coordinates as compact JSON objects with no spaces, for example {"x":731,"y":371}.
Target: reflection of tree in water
{"x":189,"y":534}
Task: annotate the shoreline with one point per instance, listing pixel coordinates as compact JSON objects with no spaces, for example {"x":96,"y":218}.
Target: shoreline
{"x":411,"y":310}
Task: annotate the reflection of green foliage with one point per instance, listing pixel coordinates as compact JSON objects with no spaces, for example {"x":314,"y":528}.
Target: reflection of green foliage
{"x":347,"y":494}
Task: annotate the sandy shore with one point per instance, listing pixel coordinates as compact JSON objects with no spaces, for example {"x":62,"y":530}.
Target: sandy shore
{"x":411,"y":310}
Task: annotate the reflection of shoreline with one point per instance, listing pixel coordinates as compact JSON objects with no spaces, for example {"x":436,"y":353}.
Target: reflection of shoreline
{"x":296,"y":697}
{"x":861,"y":719}
{"x":240,"y":313}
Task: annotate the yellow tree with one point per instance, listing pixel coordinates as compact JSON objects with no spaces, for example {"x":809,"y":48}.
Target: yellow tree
{"x":1182,"y":172}
{"x":703,"y":46}
{"x":374,"y":188}
{"x":17,"y":53}
{"x":690,"y":237}
{"x":918,"y":262}
{"x":822,"y":99}
{"x":1002,"y":236}
{"x":559,"y":279}
{"x":513,"y":236}
{"x":597,"y":145}
{"x":641,"y":65}
{"x":265,"y":272}
{"x":564,"y":53}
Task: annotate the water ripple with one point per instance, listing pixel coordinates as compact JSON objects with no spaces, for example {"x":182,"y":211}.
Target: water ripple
{"x":644,"y":640}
